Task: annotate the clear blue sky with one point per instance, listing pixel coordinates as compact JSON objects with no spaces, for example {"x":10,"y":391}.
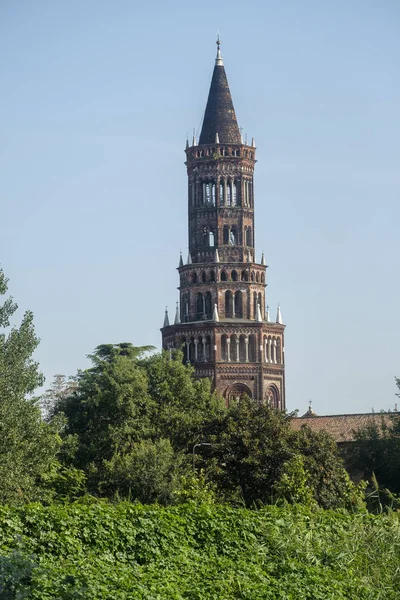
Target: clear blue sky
{"x":96,"y":101}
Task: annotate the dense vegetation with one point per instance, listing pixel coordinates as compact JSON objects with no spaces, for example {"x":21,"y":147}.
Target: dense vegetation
{"x":136,"y":427}
{"x":129,"y":551}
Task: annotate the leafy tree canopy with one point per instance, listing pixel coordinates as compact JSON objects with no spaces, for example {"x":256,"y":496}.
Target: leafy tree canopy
{"x":28,"y":446}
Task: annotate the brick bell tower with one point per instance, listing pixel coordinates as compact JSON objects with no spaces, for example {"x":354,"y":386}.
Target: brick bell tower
{"x":222,"y":322}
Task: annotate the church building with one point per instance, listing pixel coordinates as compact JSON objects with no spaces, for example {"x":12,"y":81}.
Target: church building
{"x":222,"y":321}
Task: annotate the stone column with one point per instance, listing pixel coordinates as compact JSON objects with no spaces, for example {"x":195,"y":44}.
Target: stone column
{"x":187,"y":351}
{"x":237,"y":349}
{"x":196,"y":356}
{"x":246,"y":341}
{"x":228,"y":349}
{"x":266,"y":350}
{"x":269,"y":350}
{"x":275,"y":361}
{"x":233,"y":304}
{"x":203,"y":341}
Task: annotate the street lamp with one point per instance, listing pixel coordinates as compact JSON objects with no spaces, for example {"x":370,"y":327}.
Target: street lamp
{"x":199,"y":444}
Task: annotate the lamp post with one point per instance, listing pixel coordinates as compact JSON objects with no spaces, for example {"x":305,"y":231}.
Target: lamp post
{"x":199,"y":444}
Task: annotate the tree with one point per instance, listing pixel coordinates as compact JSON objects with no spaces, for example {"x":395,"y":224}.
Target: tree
{"x":375,"y":454}
{"x":28,"y":445}
{"x":184,"y":406}
{"x":108,"y":412}
{"x":255,"y":456}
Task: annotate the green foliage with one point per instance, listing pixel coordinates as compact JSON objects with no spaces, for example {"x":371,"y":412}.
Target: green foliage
{"x":376,"y":453}
{"x":184,"y":406}
{"x":95,"y":551}
{"x":28,"y":446}
{"x":149,"y":473}
{"x":255,"y":455}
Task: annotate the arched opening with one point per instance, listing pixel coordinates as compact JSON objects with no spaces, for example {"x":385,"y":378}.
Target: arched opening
{"x":242,"y":349}
{"x":228,"y":304}
{"x":226,"y":239}
{"x":272,"y":396}
{"x":213,"y":194}
{"x":211,"y":239}
{"x":238,"y":305}
{"x":212,"y":275}
{"x":234,"y":275}
{"x":252,"y":348}
{"x":199,"y":306}
{"x":221,"y":194}
{"x":252,"y":275}
{"x":223,"y":276}
{"x":228,"y":195}
{"x":259,"y":302}
{"x":244,"y":276}
{"x":194,"y":277}
{"x":234,"y":348}
{"x":233,"y":236}
{"x":235,"y":392}
{"x":234,"y":194}
{"x":254,"y":304}
{"x":208,"y":305}
{"x":224,"y":348}
{"x":262,"y":278}
{"x":278,"y":351}
{"x":203,"y":277}
{"x":257,"y":277}
{"x":248,"y":236}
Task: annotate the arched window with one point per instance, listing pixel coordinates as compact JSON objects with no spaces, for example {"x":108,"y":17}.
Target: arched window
{"x":234,"y":348}
{"x":199,"y":306}
{"x":245,"y":276}
{"x":257,"y":277}
{"x":255,"y":304}
{"x":236,"y":392}
{"x":228,"y":304}
{"x":252,"y":348}
{"x":226,"y":234}
{"x":223,"y":276}
{"x":213,"y":194}
{"x":234,"y":275}
{"x":262,"y":278}
{"x":228,"y":194}
{"x":212,"y":275}
{"x":211,"y":239}
{"x":207,"y":193}
{"x":233,"y":235}
{"x":259,"y":301}
{"x":221,"y":193}
{"x":252,"y":275}
{"x":203,"y":277}
{"x":242,"y":349}
{"x":248,"y":236}
{"x":234,"y":194}
{"x":238,"y":305}
{"x":194,"y":277}
{"x":208,"y":305}
{"x":272,"y":396}
{"x":224,"y":348}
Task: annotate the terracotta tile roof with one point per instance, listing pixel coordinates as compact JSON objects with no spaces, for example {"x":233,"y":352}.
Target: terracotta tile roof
{"x":340,"y":427}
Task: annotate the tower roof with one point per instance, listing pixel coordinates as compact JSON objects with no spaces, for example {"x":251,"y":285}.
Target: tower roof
{"x":220,"y":117}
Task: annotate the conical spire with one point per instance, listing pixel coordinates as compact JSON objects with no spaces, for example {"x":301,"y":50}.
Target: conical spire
{"x":258,"y":316}
{"x":166,"y":319}
{"x":189,"y":259}
{"x":177,"y":315}
{"x":215,"y":313}
{"x":220,"y":117}
{"x":180,"y":260}
{"x":279,"y":316}
{"x":267,"y":314}
{"x":263,"y":261}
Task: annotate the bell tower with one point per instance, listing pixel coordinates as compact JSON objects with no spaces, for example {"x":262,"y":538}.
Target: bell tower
{"x":222,"y":322}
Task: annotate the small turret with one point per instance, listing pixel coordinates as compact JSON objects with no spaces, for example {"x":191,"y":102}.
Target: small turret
{"x":215,"y":313}
{"x":279,"y":316}
{"x":267,"y":314}
{"x":259,"y":317}
{"x":166,"y":318}
{"x":180,"y":260}
{"x":177,"y":315}
{"x":263,"y":261}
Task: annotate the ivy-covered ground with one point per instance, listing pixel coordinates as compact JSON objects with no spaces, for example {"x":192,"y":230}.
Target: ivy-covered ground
{"x":95,"y":550}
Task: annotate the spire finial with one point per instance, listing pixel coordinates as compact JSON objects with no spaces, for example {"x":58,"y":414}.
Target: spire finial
{"x":177,"y":315}
{"x":166,"y":318}
{"x":218,"y":60}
